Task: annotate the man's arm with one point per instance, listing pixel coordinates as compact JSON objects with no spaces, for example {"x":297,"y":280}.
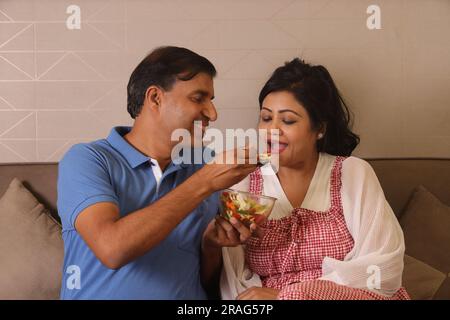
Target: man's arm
{"x":210,"y":269}
{"x":117,"y":240}
{"x":220,"y":233}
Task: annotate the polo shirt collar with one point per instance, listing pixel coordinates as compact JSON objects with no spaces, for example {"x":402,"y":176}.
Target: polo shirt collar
{"x":133,"y":156}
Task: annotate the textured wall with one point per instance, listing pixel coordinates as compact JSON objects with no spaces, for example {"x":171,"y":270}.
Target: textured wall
{"x":61,"y":86}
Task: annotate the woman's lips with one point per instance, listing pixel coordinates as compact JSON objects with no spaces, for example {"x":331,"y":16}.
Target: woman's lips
{"x":276,"y":147}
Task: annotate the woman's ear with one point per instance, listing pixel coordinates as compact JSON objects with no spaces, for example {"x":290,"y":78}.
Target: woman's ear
{"x":153,"y":96}
{"x":322,"y":130}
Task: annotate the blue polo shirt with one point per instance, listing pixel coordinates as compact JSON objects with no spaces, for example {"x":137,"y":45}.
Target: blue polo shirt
{"x":111,"y":170}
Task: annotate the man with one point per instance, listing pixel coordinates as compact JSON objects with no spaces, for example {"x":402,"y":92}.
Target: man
{"x":133,"y":220}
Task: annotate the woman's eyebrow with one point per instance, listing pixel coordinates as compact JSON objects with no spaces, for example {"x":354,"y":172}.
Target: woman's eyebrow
{"x":264,"y":108}
{"x":289,"y":110}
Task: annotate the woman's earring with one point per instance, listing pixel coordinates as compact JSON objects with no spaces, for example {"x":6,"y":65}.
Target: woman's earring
{"x":320,"y":136}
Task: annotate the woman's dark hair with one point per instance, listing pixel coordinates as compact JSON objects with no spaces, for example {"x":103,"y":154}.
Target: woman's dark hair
{"x":162,"y":67}
{"x":315,"y":90}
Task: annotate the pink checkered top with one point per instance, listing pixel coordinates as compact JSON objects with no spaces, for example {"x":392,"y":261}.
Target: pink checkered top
{"x":293,"y":248}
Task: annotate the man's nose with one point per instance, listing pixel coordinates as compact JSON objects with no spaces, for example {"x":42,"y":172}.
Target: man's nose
{"x":210,"y":112}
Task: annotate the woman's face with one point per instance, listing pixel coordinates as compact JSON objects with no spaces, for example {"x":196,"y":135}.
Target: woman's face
{"x":297,"y":140}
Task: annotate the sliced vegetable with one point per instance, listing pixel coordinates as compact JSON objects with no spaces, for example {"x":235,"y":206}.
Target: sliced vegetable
{"x":244,"y":208}
{"x":264,"y":158}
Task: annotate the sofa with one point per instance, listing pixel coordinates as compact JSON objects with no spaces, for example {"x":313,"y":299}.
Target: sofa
{"x":418,"y":191}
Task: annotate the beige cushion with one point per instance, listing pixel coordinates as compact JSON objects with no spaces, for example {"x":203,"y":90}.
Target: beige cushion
{"x":426,"y":225}
{"x":420,"y":280}
{"x":31,"y":248}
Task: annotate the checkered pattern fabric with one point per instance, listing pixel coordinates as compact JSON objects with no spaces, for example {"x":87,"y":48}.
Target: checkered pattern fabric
{"x":290,"y":254}
{"x":327,"y":290}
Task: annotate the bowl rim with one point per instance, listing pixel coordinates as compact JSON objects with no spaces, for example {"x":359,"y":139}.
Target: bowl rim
{"x":250,"y":193}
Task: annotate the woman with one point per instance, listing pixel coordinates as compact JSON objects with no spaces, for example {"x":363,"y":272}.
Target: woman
{"x":331,"y":234}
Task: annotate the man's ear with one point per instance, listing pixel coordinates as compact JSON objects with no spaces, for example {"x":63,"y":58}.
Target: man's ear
{"x":153,"y":96}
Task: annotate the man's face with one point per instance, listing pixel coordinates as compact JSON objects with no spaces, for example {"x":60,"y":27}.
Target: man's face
{"x":186,"y":102}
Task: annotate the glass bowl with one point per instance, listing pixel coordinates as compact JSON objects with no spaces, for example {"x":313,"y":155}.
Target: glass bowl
{"x":245,"y":206}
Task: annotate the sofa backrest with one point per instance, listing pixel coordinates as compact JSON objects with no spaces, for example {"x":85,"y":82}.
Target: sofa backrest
{"x":398,"y":178}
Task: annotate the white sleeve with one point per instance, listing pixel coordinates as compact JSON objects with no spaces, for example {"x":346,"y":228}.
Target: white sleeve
{"x":236,"y":277}
{"x":243,"y":185}
{"x":376,"y":260}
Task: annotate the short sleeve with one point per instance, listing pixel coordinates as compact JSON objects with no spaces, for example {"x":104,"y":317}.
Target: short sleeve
{"x":83,"y":180}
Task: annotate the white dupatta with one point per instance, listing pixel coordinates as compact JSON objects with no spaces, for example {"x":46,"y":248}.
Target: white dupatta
{"x":376,"y":261}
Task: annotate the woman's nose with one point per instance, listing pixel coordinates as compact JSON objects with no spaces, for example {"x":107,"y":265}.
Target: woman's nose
{"x":275,"y":128}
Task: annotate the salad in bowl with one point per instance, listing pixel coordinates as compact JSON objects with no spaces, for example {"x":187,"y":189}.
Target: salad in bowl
{"x":245,"y":206}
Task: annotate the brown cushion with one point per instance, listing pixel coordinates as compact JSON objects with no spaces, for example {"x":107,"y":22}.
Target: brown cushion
{"x":39,"y":178}
{"x":443,"y":293}
{"x":420,"y":280}
{"x":426,"y":225}
{"x":31,"y":248}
